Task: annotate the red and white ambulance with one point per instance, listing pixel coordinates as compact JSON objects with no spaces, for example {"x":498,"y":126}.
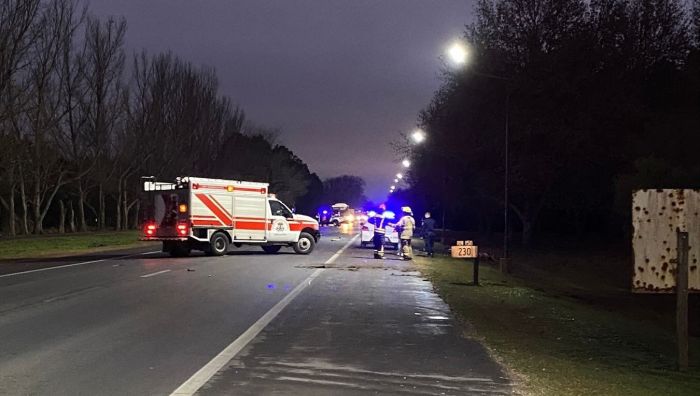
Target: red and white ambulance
{"x":194,"y":213}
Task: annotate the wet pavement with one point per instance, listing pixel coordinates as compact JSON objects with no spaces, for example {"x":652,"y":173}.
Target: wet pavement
{"x":363,"y":327}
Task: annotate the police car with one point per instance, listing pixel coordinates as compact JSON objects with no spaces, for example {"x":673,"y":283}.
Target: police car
{"x":391,"y":238}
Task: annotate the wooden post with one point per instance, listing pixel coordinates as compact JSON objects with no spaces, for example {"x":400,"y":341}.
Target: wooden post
{"x":475,"y":275}
{"x":503,"y":264}
{"x":682,"y":300}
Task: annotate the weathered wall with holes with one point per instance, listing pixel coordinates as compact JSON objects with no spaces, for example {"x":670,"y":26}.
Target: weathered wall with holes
{"x":656,"y":215}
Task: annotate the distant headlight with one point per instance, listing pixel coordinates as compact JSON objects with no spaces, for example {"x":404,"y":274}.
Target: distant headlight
{"x":350,"y":218}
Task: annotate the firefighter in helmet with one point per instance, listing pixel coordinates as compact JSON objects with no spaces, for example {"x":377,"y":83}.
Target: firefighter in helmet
{"x":405,"y":227}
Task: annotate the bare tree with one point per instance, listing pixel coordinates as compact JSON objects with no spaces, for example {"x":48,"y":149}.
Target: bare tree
{"x":16,"y":20}
{"x":43,"y":167}
{"x":103,"y":103}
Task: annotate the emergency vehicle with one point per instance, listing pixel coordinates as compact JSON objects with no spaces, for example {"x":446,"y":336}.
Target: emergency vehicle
{"x":194,"y":213}
{"x":342,"y":214}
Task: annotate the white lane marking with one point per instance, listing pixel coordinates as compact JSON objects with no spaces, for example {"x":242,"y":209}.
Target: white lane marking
{"x":198,"y":379}
{"x":76,"y":264}
{"x":154,"y":274}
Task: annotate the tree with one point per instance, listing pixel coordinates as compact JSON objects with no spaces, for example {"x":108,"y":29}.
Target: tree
{"x":346,"y":189}
{"x":70,"y":123}
{"x":589,"y":87}
{"x":37,"y":127}
{"x":16,"y":35}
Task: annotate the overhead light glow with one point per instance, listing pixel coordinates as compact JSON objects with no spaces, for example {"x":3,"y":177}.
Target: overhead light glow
{"x":458,"y":53}
{"x":418,"y":136}
{"x":406,"y":163}
{"x":399,"y":176}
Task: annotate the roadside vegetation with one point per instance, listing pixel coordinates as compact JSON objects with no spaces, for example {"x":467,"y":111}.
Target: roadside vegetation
{"x":568,"y":331}
{"x":81,"y":119}
{"x":64,"y":245}
{"x":599,"y":97}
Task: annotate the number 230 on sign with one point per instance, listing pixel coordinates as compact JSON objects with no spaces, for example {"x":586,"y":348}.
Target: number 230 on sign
{"x":464,"y":251}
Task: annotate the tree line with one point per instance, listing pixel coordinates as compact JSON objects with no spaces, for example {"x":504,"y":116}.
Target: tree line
{"x":600,"y":97}
{"x":81,"y":121}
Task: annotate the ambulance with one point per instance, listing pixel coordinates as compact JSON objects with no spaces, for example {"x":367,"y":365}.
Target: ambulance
{"x":210,"y":215}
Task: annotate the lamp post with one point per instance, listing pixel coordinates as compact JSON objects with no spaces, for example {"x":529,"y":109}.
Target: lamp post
{"x":459,"y":53}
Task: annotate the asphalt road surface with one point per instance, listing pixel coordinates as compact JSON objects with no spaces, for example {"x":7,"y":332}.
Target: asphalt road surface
{"x":142,"y":323}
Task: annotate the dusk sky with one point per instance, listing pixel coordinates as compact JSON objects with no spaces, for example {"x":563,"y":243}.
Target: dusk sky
{"x":340,"y":79}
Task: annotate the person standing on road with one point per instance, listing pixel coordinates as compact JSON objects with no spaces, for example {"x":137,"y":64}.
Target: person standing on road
{"x":428,"y":231}
{"x":379,"y":233}
{"x":406,"y":225}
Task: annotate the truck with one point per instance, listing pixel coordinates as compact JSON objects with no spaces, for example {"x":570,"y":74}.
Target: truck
{"x":193,"y":213}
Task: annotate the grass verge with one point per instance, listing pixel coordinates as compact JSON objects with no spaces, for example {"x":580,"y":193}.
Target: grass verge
{"x":558,"y":344}
{"x":67,"y":244}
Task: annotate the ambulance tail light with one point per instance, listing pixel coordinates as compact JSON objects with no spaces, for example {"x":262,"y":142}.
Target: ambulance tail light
{"x":183,"y":229}
{"x":149,"y":229}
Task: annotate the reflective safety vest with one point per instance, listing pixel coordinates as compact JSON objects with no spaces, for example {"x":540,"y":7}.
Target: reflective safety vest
{"x":378,"y":222}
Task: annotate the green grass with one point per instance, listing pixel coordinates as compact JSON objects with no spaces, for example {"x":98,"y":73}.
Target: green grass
{"x":558,"y":344}
{"x":67,"y":244}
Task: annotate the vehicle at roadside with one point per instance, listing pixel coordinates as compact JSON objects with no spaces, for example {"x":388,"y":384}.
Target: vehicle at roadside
{"x":211,"y":215}
{"x":342,"y":214}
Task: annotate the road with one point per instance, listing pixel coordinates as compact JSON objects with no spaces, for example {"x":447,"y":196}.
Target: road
{"x":143,"y":323}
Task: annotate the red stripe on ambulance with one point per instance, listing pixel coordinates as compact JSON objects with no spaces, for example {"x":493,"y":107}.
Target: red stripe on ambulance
{"x":214,"y":208}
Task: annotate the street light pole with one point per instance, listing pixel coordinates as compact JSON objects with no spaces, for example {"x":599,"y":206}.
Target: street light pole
{"x":504,"y":260}
{"x":459,"y":54}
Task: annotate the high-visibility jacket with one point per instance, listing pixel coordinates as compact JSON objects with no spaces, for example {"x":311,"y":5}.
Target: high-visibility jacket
{"x":407,"y":224}
{"x":378,"y":222}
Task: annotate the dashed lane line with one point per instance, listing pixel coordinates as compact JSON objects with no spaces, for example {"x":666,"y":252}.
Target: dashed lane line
{"x":155,"y":273}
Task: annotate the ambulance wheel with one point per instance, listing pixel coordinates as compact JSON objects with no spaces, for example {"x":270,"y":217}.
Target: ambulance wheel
{"x":306,"y":243}
{"x":218,"y":245}
{"x":271,"y":249}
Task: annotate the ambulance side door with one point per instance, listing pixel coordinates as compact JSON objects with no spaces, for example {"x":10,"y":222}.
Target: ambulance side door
{"x":279,"y":229}
{"x":250,"y":217}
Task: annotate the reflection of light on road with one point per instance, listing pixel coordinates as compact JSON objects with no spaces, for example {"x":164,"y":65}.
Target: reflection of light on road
{"x":346,"y":228}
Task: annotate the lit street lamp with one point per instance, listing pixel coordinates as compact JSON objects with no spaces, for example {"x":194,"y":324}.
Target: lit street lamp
{"x":396,"y":180}
{"x":418,"y":136}
{"x":399,"y":176}
{"x":458,"y":53}
{"x":406,"y":163}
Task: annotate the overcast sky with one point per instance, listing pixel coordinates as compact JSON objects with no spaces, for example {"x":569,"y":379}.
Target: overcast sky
{"x":340,"y":79}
